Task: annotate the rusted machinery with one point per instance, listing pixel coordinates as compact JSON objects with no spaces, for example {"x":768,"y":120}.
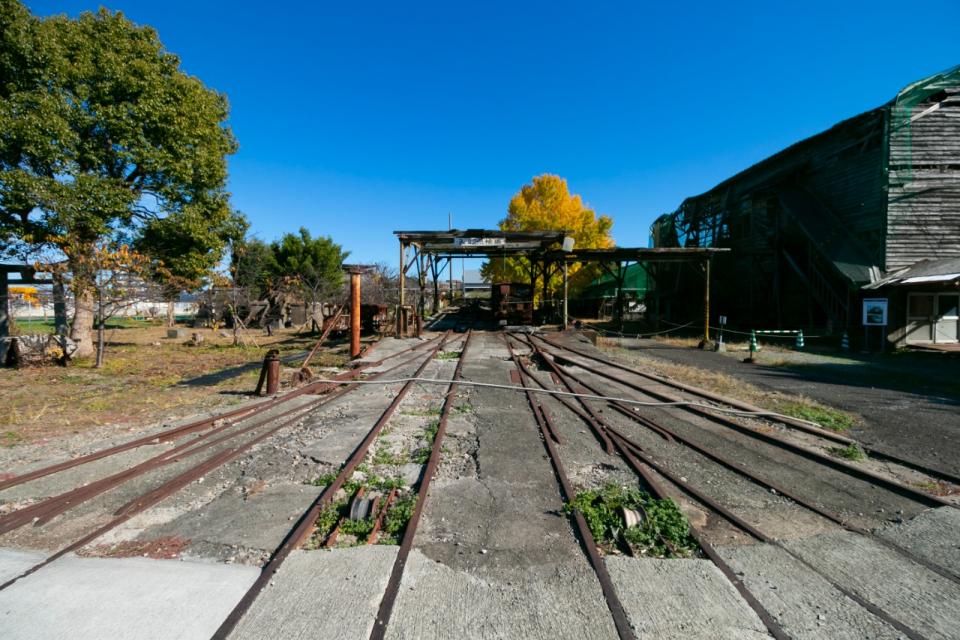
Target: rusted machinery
{"x":512,"y":303}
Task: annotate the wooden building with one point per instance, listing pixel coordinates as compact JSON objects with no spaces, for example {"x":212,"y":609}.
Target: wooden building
{"x":813,"y":225}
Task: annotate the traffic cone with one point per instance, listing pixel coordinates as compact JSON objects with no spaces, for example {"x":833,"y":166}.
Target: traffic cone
{"x":800,"y":339}
{"x":845,"y":342}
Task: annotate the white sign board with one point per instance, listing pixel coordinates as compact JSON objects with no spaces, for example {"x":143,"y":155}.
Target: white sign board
{"x":479,"y":242}
{"x":723,"y":320}
{"x":875,"y":312}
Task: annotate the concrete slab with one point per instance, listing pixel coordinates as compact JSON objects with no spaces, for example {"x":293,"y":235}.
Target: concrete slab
{"x":137,"y":598}
{"x":803,"y":602}
{"x":933,"y":535}
{"x":13,"y":562}
{"x":257,"y":521}
{"x":321,"y":594}
{"x":681,"y":599}
{"x":909,"y":592}
{"x":437,"y":601}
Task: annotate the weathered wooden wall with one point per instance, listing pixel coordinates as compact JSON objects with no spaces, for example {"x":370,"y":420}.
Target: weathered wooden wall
{"x":923,"y":210}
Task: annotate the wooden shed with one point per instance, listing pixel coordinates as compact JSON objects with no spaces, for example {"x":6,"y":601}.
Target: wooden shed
{"x":812,"y":225}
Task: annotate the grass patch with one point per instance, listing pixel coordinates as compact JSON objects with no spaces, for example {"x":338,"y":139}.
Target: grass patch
{"x":850,"y":452}
{"x":664,"y":532}
{"x":10,"y":439}
{"x":463,"y":408}
{"x":422,"y":412}
{"x":448,"y":355}
{"x":325,"y":480}
{"x":398,"y":515}
{"x":384,"y":456}
{"x":826,"y":417}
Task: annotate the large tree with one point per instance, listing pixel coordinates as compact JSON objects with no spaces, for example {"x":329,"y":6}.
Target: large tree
{"x":184,"y":249}
{"x":102,"y":135}
{"x":546,"y":204}
{"x":313,"y":266}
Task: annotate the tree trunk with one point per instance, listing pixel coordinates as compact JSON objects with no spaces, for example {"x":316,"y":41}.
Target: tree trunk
{"x":170,"y":315}
{"x":82,"y":328}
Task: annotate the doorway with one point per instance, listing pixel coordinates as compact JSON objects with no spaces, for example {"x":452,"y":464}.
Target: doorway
{"x":933,"y":317}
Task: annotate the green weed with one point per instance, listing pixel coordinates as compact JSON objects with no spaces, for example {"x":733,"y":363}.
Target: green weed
{"x":824,"y":416}
{"x":664,"y":533}
{"x":10,"y":439}
{"x":851,"y":452}
{"x":384,"y":456}
{"x":448,"y":355}
{"x":399,"y":515}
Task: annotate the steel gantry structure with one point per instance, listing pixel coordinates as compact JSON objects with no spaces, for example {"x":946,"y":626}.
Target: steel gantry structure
{"x":545,"y":251}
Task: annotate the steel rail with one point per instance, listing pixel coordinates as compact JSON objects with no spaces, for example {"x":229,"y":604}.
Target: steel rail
{"x":785,"y":420}
{"x":197,"y":425}
{"x":189,"y":476}
{"x":619,"y":614}
{"x":768,"y":620}
{"x":306,"y":523}
{"x":42,"y":512}
{"x":863,"y":474}
{"x":565,"y":380}
{"x":387,"y":602}
{"x":767,"y":484}
{"x":632,"y":450}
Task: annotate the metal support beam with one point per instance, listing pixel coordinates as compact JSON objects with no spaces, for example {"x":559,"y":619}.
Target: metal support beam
{"x":565,"y":292}
{"x":706,"y":302}
{"x":401,"y":320}
{"x":355,"y":277}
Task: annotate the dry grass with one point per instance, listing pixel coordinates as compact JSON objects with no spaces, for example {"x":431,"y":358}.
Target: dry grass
{"x":795,"y":405}
{"x":145,"y":378}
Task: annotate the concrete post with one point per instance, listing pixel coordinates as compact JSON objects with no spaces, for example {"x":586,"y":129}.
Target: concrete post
{"x":355,"y":314}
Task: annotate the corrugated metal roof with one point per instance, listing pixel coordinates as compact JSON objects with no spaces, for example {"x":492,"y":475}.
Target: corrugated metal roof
{"x":945,"y":270}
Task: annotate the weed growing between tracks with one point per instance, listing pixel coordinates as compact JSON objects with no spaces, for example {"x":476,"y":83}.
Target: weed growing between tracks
{"x":664,"y":532}
{"x":851,"y":452}
{"x":824,"y":416}
{"x":356,"y":532}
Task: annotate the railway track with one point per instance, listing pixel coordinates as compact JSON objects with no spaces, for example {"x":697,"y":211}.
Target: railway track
{"x":306,"y":525}
{"x":562,"y":364}
{"x":562,"y":385}
{"x":239,"y":431}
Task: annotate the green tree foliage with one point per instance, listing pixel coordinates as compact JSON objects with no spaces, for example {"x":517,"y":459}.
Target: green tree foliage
{"x":546,"y":204}
{"x":103,"y":135}
{"x":314,"y":265}
{"x":251,"y":265}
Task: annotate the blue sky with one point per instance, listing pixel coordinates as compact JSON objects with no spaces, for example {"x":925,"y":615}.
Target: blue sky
{"x":356,"y":119}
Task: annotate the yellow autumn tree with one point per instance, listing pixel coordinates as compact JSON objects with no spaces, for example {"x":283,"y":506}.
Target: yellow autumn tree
{"x":547,"y":205}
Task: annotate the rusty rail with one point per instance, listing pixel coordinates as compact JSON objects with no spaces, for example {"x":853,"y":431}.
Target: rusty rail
{"x":156,"y":495}
{"x":396,"y":574}
{"x":620,"y":620}
{"x":784,"y":420}
{"x":642,"y":464}
{"x":305,"y":524}
{"x":863,"y":474}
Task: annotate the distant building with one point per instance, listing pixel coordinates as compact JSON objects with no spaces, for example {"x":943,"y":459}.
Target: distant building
{"x":869,"y":209}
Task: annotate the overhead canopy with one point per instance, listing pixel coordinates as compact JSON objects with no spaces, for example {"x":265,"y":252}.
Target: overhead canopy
{"x":481,"y":243}
{"x":637,"y":254}
{"x":944,"y":271}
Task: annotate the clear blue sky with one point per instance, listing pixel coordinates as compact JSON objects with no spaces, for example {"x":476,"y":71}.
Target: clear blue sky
{"x":355,"y":119}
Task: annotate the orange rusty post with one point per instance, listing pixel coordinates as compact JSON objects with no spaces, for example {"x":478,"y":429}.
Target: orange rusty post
{"x":355,"y":313}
